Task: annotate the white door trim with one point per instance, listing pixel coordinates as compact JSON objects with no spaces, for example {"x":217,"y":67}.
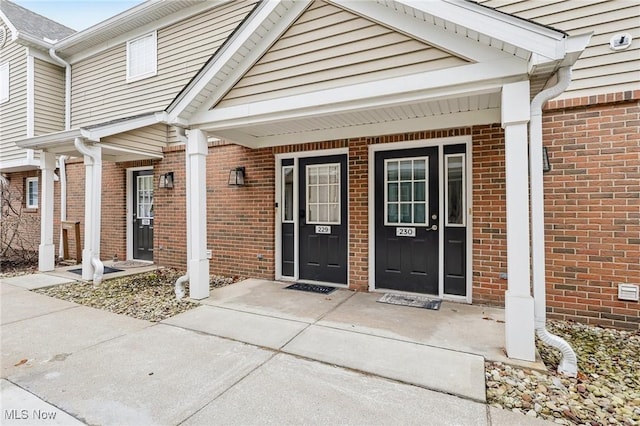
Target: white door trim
{"x":440,"y":143}
{"x":129,"y":202}
{"x":296,"y":207}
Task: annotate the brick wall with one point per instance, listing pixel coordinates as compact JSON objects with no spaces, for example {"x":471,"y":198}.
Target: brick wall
{"x":592,"y":205}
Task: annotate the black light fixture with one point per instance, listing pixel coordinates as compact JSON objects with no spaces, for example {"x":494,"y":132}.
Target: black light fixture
{"x":546,"y":165}
{"x":236,"y":176}
{"x":166,"y":180}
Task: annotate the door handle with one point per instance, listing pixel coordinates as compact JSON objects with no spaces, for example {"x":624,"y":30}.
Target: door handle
{"x":433,"y":228}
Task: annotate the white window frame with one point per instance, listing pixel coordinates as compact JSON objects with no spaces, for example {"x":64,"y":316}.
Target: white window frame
{"x":464,"y":190}
{"x":413,"y":202}
{"x":28,"y":193}
{"x":310,"y":167}
{"x":4,"y":83}
{"x":154,"y":57}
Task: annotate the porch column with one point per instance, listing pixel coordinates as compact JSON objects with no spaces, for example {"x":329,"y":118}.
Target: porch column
{"x":197,"y":262}
{"x":92,"y":207}
{"x":519,"y":312}
{"x":46,"y":250}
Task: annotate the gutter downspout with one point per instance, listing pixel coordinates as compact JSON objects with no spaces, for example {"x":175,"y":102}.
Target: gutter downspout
{"x":179,"y":286}
{"x":67,"y":126}
{"x":93,"y":179}
{"x":568,"y":363}
{"x":63,"y":200}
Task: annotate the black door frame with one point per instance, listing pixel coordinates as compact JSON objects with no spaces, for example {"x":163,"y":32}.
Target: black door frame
{"x":440,"y":143}
{"x":296,"y":156}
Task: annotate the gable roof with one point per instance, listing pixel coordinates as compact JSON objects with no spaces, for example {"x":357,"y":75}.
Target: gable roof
{"x":24,"y":22}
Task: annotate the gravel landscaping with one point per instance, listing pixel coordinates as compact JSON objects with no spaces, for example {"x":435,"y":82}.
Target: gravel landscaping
{"x":149,"y":296}
{"x":606,"y":391}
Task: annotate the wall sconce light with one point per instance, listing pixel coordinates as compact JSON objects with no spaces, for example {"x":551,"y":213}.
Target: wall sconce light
{"x":546,"y":165}
{"x":166,"y":180}
{"x":236,"y":176}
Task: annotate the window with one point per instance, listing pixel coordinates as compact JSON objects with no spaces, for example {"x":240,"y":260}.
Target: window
{"x":287,"y":194}
{"x":455,"y":190}
{"x":4,"y":83}
{"x":323,"y":194}
{"x":31,"y":185}
{"x":144,"y":197}
{"x":142,"y":57}
{"x":406,"y":191}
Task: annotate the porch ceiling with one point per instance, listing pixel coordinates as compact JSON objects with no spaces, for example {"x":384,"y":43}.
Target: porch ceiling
{"x":442,"y":113}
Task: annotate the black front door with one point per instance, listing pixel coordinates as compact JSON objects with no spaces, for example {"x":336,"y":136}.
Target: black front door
{"x":406,"y":220}
{"x":142,"y":214}
{"x":323,"y":218}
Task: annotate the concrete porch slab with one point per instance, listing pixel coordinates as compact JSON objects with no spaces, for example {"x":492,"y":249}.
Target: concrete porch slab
{"x":20,"y":407}
{"x":430,"y":367}
{"x":21,"y":305}
{"x":245,"y":327}
{"x":33,"y":344}
{"x":461,"y":327}
{"x":333,"y":396}
{"x":158,"y":375}
{"x":33,"y":281}
{"x":6,"y":288}
{"x":270,"y":298}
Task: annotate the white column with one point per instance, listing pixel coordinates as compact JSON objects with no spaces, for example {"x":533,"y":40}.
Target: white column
{"x":197,"y":263}
{"x":519,"y":314}
{"x":46,"y":250}
{"x":92,"y":206}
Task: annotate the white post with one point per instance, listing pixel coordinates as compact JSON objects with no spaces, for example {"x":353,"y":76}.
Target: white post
{"x":92,"y":206}
{"x":198,"y":264}
{"x":46,"y":250}
{"x":519,"y":306}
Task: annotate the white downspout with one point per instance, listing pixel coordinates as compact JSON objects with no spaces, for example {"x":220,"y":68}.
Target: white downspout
{"x":179,"y":286}
{"x":63,"y":199}
{"x":93,"y":179}
{"x":569,"y":363}
{"x":67,"y":126}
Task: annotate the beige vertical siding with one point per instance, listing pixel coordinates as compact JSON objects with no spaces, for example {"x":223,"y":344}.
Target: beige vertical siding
{"x":151,"y":138}
{"x":330,"y":47}
{"x":101,"y":93}
{"x":599,"y":70}
{"x":13,"y":114}
{"x":49,"y":98}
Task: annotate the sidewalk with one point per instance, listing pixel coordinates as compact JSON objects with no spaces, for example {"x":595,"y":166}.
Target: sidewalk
{"x":234,"y":360}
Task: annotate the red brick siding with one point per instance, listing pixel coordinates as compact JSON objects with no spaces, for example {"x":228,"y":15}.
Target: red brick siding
{"x":592,"y":204}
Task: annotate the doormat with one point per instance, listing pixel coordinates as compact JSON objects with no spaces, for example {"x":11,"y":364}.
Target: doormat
{"x":413,"y":301}
{"x":107,"y":270}
{"x":312,"y":288}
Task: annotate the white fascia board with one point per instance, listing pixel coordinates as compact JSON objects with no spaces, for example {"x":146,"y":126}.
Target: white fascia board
{"x":110,"y":129}
{"x":19,"y":165}
{"x":81,"y":36}
{"x":456,"y":44}
{"x":42,"y":55}
{"x":12,"y":28}
{"x":130,"y":151}
{"x":397,"y":90}
{"x":267,"y":12}
{"x":518,"y":32}
{"x":53,"y":139}
{"x":461,"y":119}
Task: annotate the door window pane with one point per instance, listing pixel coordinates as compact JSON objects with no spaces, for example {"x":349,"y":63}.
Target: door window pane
{"x":455,"y":190}
{"x":323,"y":194}
{"x":144,"y":197}
{"x":287,"y":194}
{"x":406,"y":195}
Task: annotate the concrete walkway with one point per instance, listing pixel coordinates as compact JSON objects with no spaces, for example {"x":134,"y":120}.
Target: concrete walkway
{"x":249,"y":355}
